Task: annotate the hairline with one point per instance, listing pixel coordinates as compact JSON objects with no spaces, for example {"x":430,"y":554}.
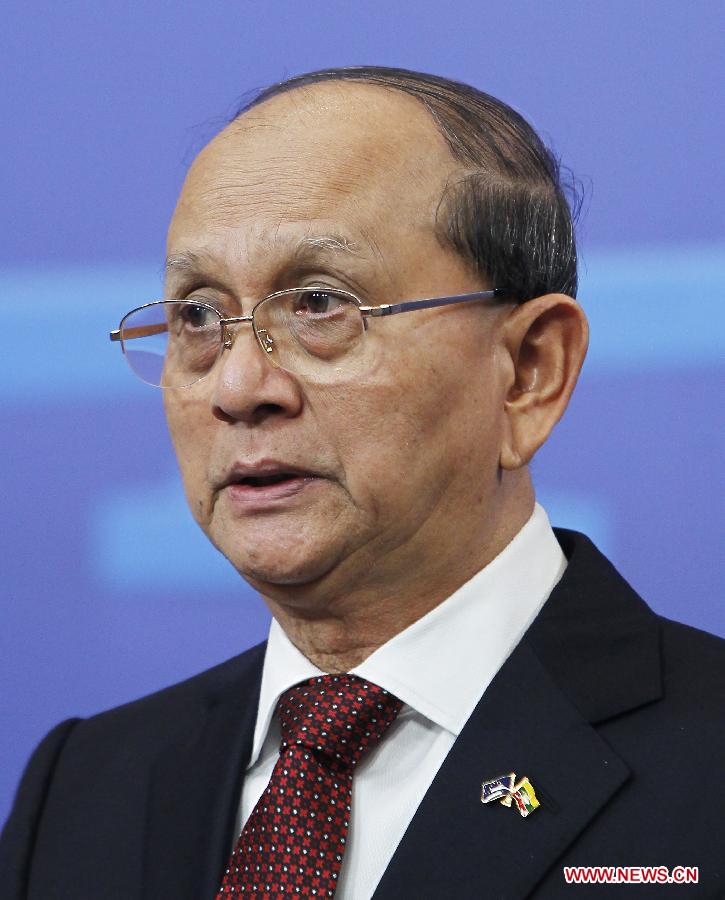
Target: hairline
{"x":516,"y":184}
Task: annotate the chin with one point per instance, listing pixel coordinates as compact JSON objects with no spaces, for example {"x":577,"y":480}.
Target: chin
{"x":279,"y":550}
{"x":262,"y":573}
{"x":280,"y":562}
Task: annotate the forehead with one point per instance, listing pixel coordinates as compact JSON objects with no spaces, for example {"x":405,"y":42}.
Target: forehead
{"x":349,"y":160}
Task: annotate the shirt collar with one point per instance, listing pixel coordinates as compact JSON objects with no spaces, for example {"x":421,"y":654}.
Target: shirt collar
{"x":441,"y":664}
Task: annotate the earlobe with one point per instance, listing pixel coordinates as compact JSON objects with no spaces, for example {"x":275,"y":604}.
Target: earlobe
{"x":510,"y":459}
{"x":546,"y":341}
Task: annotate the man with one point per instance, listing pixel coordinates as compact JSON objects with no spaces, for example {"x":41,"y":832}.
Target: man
{"x":363,"y":462}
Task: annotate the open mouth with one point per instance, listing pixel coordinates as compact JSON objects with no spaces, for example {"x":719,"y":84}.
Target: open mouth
{"x":266,"y":480}
{"x":267,"y":483}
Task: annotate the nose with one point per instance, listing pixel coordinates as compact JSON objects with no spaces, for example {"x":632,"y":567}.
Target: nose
{"x":247,"y":387}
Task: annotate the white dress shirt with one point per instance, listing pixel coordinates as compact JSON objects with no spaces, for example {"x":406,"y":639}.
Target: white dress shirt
{"x":439,"y":667}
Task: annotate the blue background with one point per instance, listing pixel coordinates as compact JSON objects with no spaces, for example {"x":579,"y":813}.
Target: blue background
{"x":108,"y":591}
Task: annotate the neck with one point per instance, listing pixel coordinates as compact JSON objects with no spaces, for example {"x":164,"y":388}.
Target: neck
{"x":338,"y":623}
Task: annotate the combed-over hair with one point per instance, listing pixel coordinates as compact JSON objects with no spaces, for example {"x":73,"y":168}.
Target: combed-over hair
{"x":508,"y":215}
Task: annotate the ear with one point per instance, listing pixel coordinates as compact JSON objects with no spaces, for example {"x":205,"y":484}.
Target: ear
{"x":545,"y":342}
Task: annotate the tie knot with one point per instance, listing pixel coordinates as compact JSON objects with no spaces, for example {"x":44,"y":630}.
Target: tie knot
{"x":337,"y":716}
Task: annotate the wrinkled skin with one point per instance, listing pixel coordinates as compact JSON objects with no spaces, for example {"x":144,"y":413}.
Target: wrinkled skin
{"x":421,"y":460}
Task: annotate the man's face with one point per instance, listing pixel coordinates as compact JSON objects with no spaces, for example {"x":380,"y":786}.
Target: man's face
{"x":335,"y":186}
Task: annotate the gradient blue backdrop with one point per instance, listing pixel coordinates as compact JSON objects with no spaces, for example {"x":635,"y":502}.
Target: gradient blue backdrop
{"x":108,"y":591}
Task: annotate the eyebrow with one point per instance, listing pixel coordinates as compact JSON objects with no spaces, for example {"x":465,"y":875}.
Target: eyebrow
{"x":185,"y":261}
{"x":331,"y":243}
{"x":306,"y":249}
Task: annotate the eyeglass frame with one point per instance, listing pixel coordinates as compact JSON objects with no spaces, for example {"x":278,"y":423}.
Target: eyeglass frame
{"x":383,"y":309}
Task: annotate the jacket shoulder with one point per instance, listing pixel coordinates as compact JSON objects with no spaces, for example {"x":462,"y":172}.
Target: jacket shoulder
{"x":120,"y":740}
{"x":88,"y":782}
{"x":693,"y":665}
{"x":17,"y":839}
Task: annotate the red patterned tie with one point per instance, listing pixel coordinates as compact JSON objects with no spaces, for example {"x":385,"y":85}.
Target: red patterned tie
{"x":295,"y":838}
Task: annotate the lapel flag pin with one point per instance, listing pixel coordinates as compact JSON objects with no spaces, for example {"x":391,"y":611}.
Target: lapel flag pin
{"x":497,"y":788}
{"x":507,"y":791}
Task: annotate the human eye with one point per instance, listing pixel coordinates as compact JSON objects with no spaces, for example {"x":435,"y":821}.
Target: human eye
{"x":324,"y":322}
{"x":193,"y":338}
{"x":192,"y":316}
{"x":318,"y":302}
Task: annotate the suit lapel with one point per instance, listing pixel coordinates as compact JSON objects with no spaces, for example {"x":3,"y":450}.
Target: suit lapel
{"x":456,"y":846}
{"x":591,"y":654}
{"x":195,"y":788}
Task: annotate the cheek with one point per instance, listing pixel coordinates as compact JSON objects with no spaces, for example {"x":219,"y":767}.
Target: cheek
{"x":191,"y":429}
{"x":406,"y":432}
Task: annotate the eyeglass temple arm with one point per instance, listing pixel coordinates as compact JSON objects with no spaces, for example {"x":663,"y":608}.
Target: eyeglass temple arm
{"x":385,"y":309}
{"x":389,"y":309}
{"x":140,"y":331}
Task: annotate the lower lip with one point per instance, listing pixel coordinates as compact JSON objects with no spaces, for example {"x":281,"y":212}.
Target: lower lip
{"x":249,"y":498}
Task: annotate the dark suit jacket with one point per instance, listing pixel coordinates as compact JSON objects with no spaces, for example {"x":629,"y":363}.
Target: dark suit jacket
{"x":615,"y":715}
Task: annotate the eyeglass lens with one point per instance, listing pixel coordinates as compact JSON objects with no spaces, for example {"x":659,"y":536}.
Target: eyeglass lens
{"x":311,"y":332}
